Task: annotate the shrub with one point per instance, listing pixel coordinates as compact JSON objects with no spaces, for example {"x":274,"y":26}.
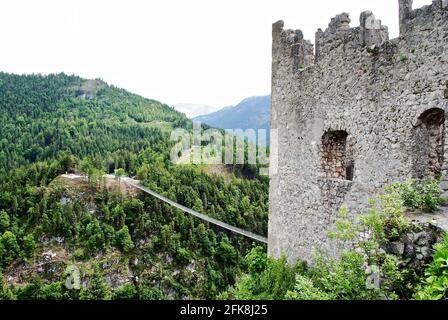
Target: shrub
{"x":125,"y":292}
{"x":123,"y":240}
{"x":342,"y":279}
{"x":418,"y":194}
{"x":28,"y":246}
{"x":5,"y":292}
{"x":268,"y":278}
{"x":306,"y":290}
{"x":183,"y":256}
{"x":4,"y":221}
{"x":97,"y":288}
{"x":435,"y":284}
{"x":149,"y":293}
{"x":9,"y":248}
{"x":52,"y":291}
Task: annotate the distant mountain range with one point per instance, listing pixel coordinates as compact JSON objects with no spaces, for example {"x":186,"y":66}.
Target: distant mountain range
{"x":251,"y":113}
{"x":193,"y":110}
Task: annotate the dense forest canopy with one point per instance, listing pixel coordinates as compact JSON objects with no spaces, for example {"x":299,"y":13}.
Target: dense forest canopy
{"x":125,"y":245}
{"x":44,"y":115}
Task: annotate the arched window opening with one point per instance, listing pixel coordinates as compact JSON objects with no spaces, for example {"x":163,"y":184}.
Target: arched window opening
{"x":335,"y":162}
{"x":429,"y":143}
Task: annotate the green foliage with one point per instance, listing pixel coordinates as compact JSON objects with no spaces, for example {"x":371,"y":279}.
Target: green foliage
{"x":305,"y":290}
{"x":123,"y":240}
{"x":345,"y":229}
{"x":343,"y":279}
{"x":183,"y":256}
{"x":126,"y":292}
{"x":42,"y":116}
{"x":384,"y":222}
{"x":149,"y":293}
{"x":4,"y":221}
{"x":55,"y":124}
{"x":5,"y":292}
{"x":385,"y":219}
{"x":120,"y":172}
{"x":97,"y":288}
{"x":28,"y":246}
{"x":52,"y":291}
{"x":39,"y":290}
{"x":418,"y":194}
{"x":435,"y":284}
{"x":257,"y":260}
{"x":373,"y":51}
{"x":9,"y":248}
{"x":142,"y":292}
{"x":273,"y":282}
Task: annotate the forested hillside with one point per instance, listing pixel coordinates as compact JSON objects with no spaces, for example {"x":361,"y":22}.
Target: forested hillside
{"x":124,"y":244}
{"x":42,"y":116}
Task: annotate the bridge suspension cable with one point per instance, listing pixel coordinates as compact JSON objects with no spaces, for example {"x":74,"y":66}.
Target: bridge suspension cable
{"x":201,"y":216}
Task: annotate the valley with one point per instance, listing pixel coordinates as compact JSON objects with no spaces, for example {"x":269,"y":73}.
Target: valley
{"x":53,"y":216}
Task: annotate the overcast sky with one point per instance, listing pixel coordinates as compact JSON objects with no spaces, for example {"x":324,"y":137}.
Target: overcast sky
{"x":213,"y":52}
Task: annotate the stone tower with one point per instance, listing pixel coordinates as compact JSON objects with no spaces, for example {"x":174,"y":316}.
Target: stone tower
{"x":353,"y":114}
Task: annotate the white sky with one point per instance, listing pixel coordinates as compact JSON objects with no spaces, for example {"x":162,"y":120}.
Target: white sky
{"x":213,"y":52}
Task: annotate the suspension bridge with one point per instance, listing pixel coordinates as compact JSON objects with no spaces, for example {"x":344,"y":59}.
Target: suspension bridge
{"x":136,"y":184}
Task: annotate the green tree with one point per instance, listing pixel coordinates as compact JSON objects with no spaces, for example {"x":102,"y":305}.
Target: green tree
{"x":226,"y":252}
{"x":5,"y":292}
{"x":126,"y":292}
{"x":28,"y":246}
{"x":4,"y":221}
{"x":123,"y":240}
{"x":9,"y":248}
{"x":268,"y":279}
{"x":119,"y":216}
{"x":52,"y":291}
{"x":94,"y":236}
{"x":149,"y":293}
{"x":97,"y":288}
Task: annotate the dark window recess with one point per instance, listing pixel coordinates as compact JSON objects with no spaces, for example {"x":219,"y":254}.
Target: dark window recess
{"x":429,"y":144}
{"x":335,"y":163}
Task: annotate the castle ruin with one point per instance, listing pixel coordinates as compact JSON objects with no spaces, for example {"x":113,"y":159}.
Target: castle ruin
{"x":354,"y":113}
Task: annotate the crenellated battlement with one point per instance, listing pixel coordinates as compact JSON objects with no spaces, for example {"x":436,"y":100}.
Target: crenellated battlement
{"x":413,"y":18}
{"x":293,"y":46}
{"x":370,"y":32}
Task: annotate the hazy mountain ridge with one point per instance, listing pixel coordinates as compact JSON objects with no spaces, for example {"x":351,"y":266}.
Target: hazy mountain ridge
{"x":251,"y":113}
{"x":193,"y":110}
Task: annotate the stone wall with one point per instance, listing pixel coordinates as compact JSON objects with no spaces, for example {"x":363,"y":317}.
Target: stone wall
{"x":376,"y":90}
{"x":416,"y":248}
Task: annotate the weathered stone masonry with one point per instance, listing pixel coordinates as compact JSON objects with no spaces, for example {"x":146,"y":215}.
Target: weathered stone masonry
{"x":353,"y":114}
